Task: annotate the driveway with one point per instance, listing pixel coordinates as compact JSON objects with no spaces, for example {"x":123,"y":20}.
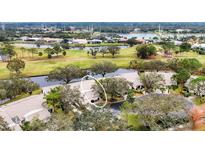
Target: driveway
{"x":31,"y":107}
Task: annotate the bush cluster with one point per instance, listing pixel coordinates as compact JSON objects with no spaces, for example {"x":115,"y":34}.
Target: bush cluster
{"x":11,"y":88}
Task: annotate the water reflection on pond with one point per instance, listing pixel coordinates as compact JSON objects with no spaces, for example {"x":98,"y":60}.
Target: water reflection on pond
{"x":42,"y":80}
{"x":27,"y":45}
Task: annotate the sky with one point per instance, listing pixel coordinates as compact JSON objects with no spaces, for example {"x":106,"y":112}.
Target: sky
{"x":101,"y":10}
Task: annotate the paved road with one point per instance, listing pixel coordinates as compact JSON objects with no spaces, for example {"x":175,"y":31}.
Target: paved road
{"x":25,"y":108}
{"x":31,"y":107}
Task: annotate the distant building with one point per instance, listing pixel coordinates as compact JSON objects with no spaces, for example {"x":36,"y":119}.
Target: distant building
{"x":178,"y":42}
{"x":141,"y":41}
{"x":136,"y":30}
{"x":52,"y":40}
{"x":111,"y":41}
{"x":71,"y":28}
{"x":79,"y":41}
{"x":201,"y":46}
{"x":122,"y":40}
{"x":95,"y":41}
{"x":25,"y":38}
{"x":4,"y":57}
{"x":182,"y":30}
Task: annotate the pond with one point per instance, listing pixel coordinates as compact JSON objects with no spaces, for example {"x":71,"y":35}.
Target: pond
{"x":140,"y":35}
{"x":42,"y":80}
{"x":88,"y":48}
{"x":152,"y":35}
{"x":27,"y":45}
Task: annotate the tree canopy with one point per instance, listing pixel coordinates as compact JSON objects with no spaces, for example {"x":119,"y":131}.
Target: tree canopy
{"x":66,"y":74}
{"x":8,"y":49}
{"x":65,"y":99}
{"x":181,"y":76}
{"x":113,"y":50}
{"x":132,"y":42}
{"x":185,"y":47}
{"x":114,"y":87}
{"x":103,"y":67}
{"x":189,"y":64}
{"x":145,"y":51}
{"x":161,"y":111}
{"x":152,"y":82}
{"x":98,"y":120}
{"x":16,"y":65}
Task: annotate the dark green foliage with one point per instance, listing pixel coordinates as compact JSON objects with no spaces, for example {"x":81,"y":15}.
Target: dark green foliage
{"x":34,"y":125}
{"x":64,"y":53}
{"x":64,"y":99}
{"x":114,"y":87}
{"x":185,"y":47}
{"x":16,"y":65}
{"x":8,"y":50}
{"x":132,"y":42}
{"x":49,"y":52}
{"x":152,"y":82}
{"x":103,"y":68}
{"x":131,"y":95}
{"x":145,"y":51}
{"x":181,"y":76}
{"x":98,"y":120}
{"x":66,"y":74}
{"x":40,"y":54}
{"x":57,"y":49}
{"x":167,"y":46}
{"x":150,"y":65}
{"x":16,"y":86}
{"x":190,"y":65}
{"x":113,"y":50}
{"x":53,"y":99}
{"x":159,"y":111}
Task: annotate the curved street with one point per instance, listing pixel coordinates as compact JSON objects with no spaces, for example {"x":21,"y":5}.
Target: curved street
{"x":31,"y":107}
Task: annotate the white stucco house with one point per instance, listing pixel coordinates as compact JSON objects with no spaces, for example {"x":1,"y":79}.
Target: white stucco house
{"x":79,"y":41}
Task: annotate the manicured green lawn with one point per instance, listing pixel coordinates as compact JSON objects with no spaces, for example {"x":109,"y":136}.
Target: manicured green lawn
{"x":42,"y":65}
{"x":36,"y":65}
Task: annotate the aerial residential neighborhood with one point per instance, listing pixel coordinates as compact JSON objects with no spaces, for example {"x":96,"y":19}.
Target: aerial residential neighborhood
{"x":102,"y":76}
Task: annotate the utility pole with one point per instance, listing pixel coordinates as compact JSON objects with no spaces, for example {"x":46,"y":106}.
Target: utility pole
{"x":159,"y":33}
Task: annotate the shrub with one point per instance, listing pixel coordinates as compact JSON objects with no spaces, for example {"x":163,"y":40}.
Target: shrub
{"x":40,"y":54}
{"x":64,"y":53}
{"x":151,"y":65}
{"x":185,"y":47}
{"x":132,"y":42}
{"x":16,"y":87}
{"x":181,"y":76}
{"x":114,"y":87}
{"x":190,"y":65}
{"x":152,"y":82}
